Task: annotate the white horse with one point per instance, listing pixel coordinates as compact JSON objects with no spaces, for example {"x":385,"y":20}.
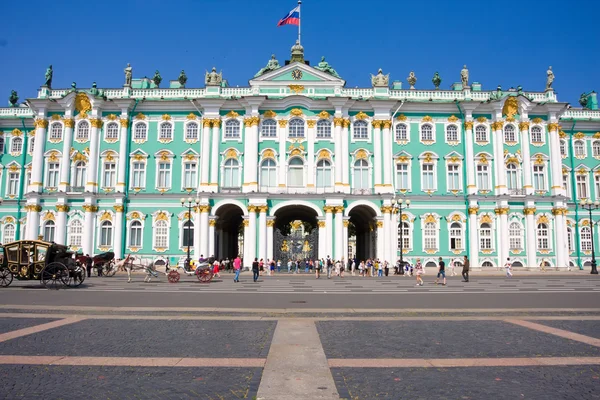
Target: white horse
{"x":142,"y":264}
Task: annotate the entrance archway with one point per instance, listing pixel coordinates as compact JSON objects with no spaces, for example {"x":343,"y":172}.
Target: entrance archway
{"x":295,"y":234}
{"x":362,"y":232}
{"x":229,"y":232}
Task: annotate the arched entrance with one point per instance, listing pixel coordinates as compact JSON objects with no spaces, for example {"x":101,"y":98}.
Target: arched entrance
{"x":362,"y":232}
{"x":295,"y":234}
{"x":229,"y":231}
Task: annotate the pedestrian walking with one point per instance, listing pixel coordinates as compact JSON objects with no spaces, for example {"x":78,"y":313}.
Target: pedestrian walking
{"x":216,"y":266}
{"x":465,"y":270}
{"x":353,"y":267}
{"x":342,"y":268}
{"x":237,"y":266}
{"x":508,"y":267}
{"x":543,"y":265}
{"x":318,"y":266}
{"x":289,"y":265}
{"x":297,"y":267}
{"x":379,"y":269}
{"x":386,"y":268}
{"x":453,"y":268}
{"x":88,"y":265}
{"x":272,"y":267}
{"x":441,"y":272}
{"x":255,"y":269}
{"x":278,"y":266}
{"x":361,"y":269}
{"x":329,"y":267}
{"x":261,"y":266}
{"x":420,"y":272}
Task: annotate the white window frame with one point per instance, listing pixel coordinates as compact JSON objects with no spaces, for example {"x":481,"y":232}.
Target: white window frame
{"x":31,"y":145}
{"x":544,"y":177}
{"x":232,"y":129}
{"x":579,"y":151}
{"x":158,"y":235}
{"x":224,"y":170}
{"x":52,"y":175}
{"x":454,"y":172}
{"x":165,"y":132}
{"x":193,"y":172}
{"x":113,"y":174}
{"x":14,"y":142}
{"x":489,"y":235}
{"x":431,"y":167}
{"x":362,"y":168}
{"x":596,"y":148}
{"x":271,"y":169}
{"x":516,"y":172}
{"x":296,"y":128}
{"x":485,"y":134}
{"x":168,"y":181}
{"x":12,"y":182}
{"x":597,"y":184}
{"x":188,"y":131}
{"x":324,"y":129}
{"x":515,"y":241}
{"x":83,"y":131}
{"x":510,"y":129}
{"x":570,"y":240}
{"x":329,"y":168}
{"x":184,"y":227}
{"x":408,"y":177}
{"x":266,"y":126}
{"x":452,"y":234}
{"x":455,"y":128}
{"x":55,"y":135}
{"x":106,"y":226}
{"x":398,"y":133}
{"x":8,"y":237}
{"x":582,"y":187}
{"x":357,"y":135}
{"x":428,"y":238}
{"x":407,"y":235}
{"x":75,"y":231}
{"x":75,"y":174}
{"x":422,"y":137}
{"x":479,"y":176}
{"x":111,"y":132}
{"x":290,"y":167}
{"x":563,"y":148}
{"x":543,"y":236}
{"x":130,"y":244}
{"x":536,"y":130}
{"x":140,"y":135}
{"x":142,"y":172}
{"x":2,"y":143}
{"x":49,"y":231}
{"x":585,"y":238}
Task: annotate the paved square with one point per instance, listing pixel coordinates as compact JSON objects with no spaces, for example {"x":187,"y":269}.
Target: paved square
{"x":13,"y":324}
{"x":589,"y":328}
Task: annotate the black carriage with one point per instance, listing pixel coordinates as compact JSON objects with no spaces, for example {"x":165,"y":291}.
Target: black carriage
{"x":50,"y":263}
{"x":105,"y":261}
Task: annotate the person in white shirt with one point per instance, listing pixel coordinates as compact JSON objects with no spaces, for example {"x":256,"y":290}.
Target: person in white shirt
{"x":508,"y":267}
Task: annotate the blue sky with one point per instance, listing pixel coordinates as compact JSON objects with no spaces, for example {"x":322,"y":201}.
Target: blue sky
{"x":506,"y":43}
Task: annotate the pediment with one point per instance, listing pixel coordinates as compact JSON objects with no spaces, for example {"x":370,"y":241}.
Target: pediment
{"x":297,"y":74}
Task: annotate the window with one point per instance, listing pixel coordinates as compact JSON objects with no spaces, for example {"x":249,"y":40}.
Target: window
{"x":166,"y":131}
{"x":268,"y":173}
{"x":595,"y":148}
{"x":586,"y":238}
{"x":456,"y":236}
{"x":536,"y":135}
{"x":360,"y":130}
{"x":110,"y":174}
{"x":190,"y":173}
{"x":487,"y":264}
{"x":31,"y":145}
{"x":582,"y":186}
{"x":13,"y":184}
{"x":453,"y":177}
{"x":452,"y":133}
{"x":563,"y":148}
{"x":164,"y":175}
{"x":83,"y":131}
{"x":232,"y":128}
{"x":53,"y":174}
{"x":579,"y":148}
{"x":426,"y":133}
{"x":323,"y":128}
{"x":79,"y":177}
{"x":296,"y":128}
{"x":1,"y":144}
{"x":323,"y":174}
{"x":509,"y":134}
{"x":106,"y":234}
{"x":485,"y":237}
{"x":539,"y":180}
{"x":49,"y":230}
{"x":112,"y":131}
{"x":8,"y":235}
{"x":401,"y":132}
{"x":75,"y":233}
{"x":512,"y":177}
{"x":161,"y":235}
{"x":566,"y":184}
{"x":483,"y":177}
{"x":481,"y":134}
{"x":404,"y":233}
{"x":361,"y":175}
{"x":56,"y":132}
{"x":514,"y":236}
{"x":191,"y":131}
{"x":135,"y":234}
{"x":542,"y":237}
{"x":138,"y":174}
{"x":231,"y":173}
{"x":269,"y":128}
{"x":402,"y":182}
{"x":430,"y":236}
{"x":428,"y":177}
{"x":597,"y":184}
{"x":296,"y":172}
{"x":570,"y":242}
{"x":188,"y":234}
{"x":16,"y":145}
{"x":140,"y":131}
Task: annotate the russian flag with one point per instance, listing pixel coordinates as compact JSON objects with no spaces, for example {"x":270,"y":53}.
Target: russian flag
{"x":293,"y":18}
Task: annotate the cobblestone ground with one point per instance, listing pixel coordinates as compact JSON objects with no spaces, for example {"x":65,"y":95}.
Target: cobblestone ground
{"x":588,"y":328}
{"x":13,"y":324}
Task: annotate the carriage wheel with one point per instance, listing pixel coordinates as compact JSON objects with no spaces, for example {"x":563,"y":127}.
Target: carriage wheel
{"x":111,"y":270}
{"x":76,"y":276}
{"x":54,"y":276}
{"x":204,"y":275}
{"x":6,"y":277}
{"x":173,"y":276}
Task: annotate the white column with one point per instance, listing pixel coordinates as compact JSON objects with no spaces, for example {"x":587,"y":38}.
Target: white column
{"x":380,"y":240}
{"x":38,"y":156}
{"x":387,"y":157}
{"x":530,"y":235}
{"x":251,"y":151}
{"x":386,"y":233}
{"x":503,"y":251}
{"x":92,"y":170}
{"x":205,"y":157}
{"x":65,"y":163}
{"x":262,"y":232}
{"x":214,"y":156}
{"x":525,"y":153}
{"x":310,"y":144}
{"x":89,"y":228}
{"x":270,"y":225}
{"x":323,"y":251}
{"x":197,"y":234}
{"x":560,"y":228}
{"x":118,"y":229}
{"x":499,"y":167}
{"x":282,"y":167}
{"x":345,"y":240}
{"x":394,"y":240}
{"x":249,"y":238}
{"x":470,"y":158}
{"x":329,"y":231}
{"x":377,"y":159}
{"x":33,"y":221}
{"x":339,"y":227}
{"x":123,"y":156}
{"x":203,"y":231}
{"x":61,"y":224}
{"x":211,"y":237}
{"x":555,"y":161}
{"x":345,"y":136}
{"x":339,"y":154}
{"x":473,"y":236}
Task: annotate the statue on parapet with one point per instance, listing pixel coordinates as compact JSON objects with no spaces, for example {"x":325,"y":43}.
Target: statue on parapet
{"x":49,"y":73}
{"x":380,"y":80}
{"x":464,"y":76}
{"x":583,"y":100}
{"x":325,"y":67}
{"x":213,"y":78}
{"x":182,"y":78}
{"x":272,"y":65}
{"x":437,"y":80}
{"x":94,"y":90}
{"x":412,"y":80}
{"x":157,"y":79}
{"x":549,"y":78}
{"x":13,"y":99}
{"x":128,"y":74}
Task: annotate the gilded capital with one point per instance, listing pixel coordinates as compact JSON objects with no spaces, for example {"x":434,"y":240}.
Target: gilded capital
{"x":216,"y":123}
{"x":329,"y":209}
{"x":124,"y":122}
{"x":346,"y":224}
{"x":69,"y":122}
{"x":41,"y":123}
{"x":497,"y":126}
{"x":339,"y":209}
{"x":473,"y":210}
{"x":469,"y":125}
{"x":376,"y":124}
{"x":524,"y":126}
{"x":206,"y":123}
{"x":311,"y":123}
{"x":346,"y":122}
{"x":246,"y":223}
{"x":33,"y":207}
{"x":271,"y":223}
{"x":212,"y":222}
{"x":387,"y":124}
{"x":89,"y":208}
{"x":262,"y":209}
{"x":321,"y":224}
{"x":380,"y":224}
{"x":529,"y":210}
{"x":119,"y":208}
{"x":283,"y":123}
{"x":204,"y":208}
{"x":252,"y":209}
{"x":251,"y":121}
{"x":502,"y":210}
{"x":338,"y":121}
{"x":553,"y":127}
{"x":62,"y":208}
{"x":96,"y":122}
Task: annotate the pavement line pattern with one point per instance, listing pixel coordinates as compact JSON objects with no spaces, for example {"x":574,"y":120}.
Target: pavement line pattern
{"x":296,"y":366}
{"x":460,"y":362}
{"x":39,"y":328}
{"x":134,"y":361}
{"x":555,"y":331}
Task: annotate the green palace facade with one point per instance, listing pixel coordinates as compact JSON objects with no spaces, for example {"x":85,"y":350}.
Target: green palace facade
{"x":297,"y":164}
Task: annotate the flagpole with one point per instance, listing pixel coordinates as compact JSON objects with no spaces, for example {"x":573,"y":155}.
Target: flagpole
{"x":299,"y":21}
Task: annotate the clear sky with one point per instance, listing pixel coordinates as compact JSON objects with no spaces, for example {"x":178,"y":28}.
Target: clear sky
{"x":506,"y":43}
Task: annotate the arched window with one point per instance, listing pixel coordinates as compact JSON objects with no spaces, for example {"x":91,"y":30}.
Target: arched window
{"x":515,"y":241}
{"x":268,"y":173}
{"x":570,"y":242}
{"x":485,"y":237}
{"x":509,"y":134}
{"x":586,"y":238}
{"x":79,"y":175}
{"x":296,"y":128}
{"x":296,"y":172}
{"x":83,"y":131}
{"x":140,"y":131}
{"x":16,"y":145}
{"x":481,"y":134}
{"x":563,"y":148}
{"x":56,"y":131}
{"x":269,"y":128}
{"x":539,"y":178}
{"x":596,"y":148}
{"x":456,"y":236}
{"x":404,"y":232}
{"x":426,"y":133}
{"x":188,"y":234}
{"x":361,"y":175}
{"x":232,"y":129}
{"x":112,"y":131}
{"x":161,"y":234}
{"x":487,"y":264}
{"x":75,"y":233}
{"x":536,"y":135}
{"x":360,"y":130}
{"x":579,"y":148}
{"x":8,"y":234}
{"x":52,"y":174}
{"x":401,"y":132}
{"x":323,"y":174}
{"x":542,"y":237}
{"x":49,"y":230}
{"x":191,"y":131}
{"x":323,"y":128}
{"x":483,"y":177}
{"x":1,"y":145}
{"x":135,"y":234}
{"x":402,"y":176}
{"x":166,"y":131}
{"x":430,"y":236}
{"x":512,"y":177}
{"x":106,"y":234}
{"x":452,"y":133}
{"x":231,"y":173}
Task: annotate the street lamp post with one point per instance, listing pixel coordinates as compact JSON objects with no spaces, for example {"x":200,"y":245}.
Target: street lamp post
{"x":189,"y":204}
{"x":399,"y":205}
{"x":591,"y":206}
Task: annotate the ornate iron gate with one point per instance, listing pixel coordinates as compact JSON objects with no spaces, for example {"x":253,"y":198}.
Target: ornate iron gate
{"x":295,"y":246}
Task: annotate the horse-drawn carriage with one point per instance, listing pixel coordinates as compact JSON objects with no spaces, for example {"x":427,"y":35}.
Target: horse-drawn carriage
{"x":104,"y":261}
{"x":53,"y":264}
{"x":204,"y":271}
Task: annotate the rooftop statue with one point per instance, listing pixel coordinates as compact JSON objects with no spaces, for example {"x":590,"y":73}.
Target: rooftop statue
{"x":549,"y":78}
{"x":157,"y":79}
{"x":73,"y":86}
{"x":272,"y":65}
{"x":583,"y":100}
{"x":380,"y":80}
{"x":437,"y":80}
{"x":212,"y":78}
{"x":182,"y":78}
{"x":464,"y":76}
{"x":497,"y":95}
{"x":128,"y":74}
{"x":49,"y":73}
{"x":297,"y":52}
{"x":13,"y":99}
{"x":94,"y":90}
{"x":412,"y":79}
{"x":325,"y":67}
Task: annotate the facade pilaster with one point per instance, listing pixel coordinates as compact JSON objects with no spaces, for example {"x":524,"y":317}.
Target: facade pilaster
{"x":310,"y":154}
{"x":530,"y":247}
{"x":119,"y":228}
{"x":281,"y":165}
{"x":345,"y":155}
{"x":470,"y":158}
{"x":560,"y":240}
{"x":388,"y":166}
{"x":204,"y":210}
{"x":123,"y":156}
{"x":197,"y":233}
{"x":526,"y":154}
{"x":251,"y":155}
{"x":60,"y":236}
{"x":65,"y":162}
{"x":502,"y":213}
{"x":323,"y":251}
{"x":380,"y":240}
{"x":92,"y":171}
{"x":270,"y":226}
{"x":387,"y":221}
{"x":555,"y":160}
{"x":339,"y":228}
{"x":329,"y":230}
{"x":214,"y":155}
{"x":89,"y":220}
{"x":205,"y":156}
{"x":500,"y":169}
{"x":377,"y":155}
{"x":262,"y":231}
{"x":33,"y":221}
{"x":345,"y":224}
{"x":473,"y":236}
{"x":339,"y":154}
{"x":212,"y":222}
{"x":41,"y":127}
{"x":250,"y":239}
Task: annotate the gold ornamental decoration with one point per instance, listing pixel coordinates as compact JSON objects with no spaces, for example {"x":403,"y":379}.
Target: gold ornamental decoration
{"x":579,"y":135}
{"x":401,"y":117}
{"x":268,"y":154}
{"x":323,"y":154}
{"x":252,"y":209}
{"x":162,"y":216}
{"x":473,"y":210}
{"x":553,"y":127}
{"x":376,"y":124}
{"x":270,"y":223}
{"x":140,"y":116}
{"x":529,"y":210}
{"x":386,"y":123}
{"x":311,"y":123}
{"x":452,"y":118}
{"x":106,"y":216}
{"x":380,"y":224}
{"x":124,"y":122}
{"x":497,"y":126}
{"x":542,"y":219}
{"x":203,"y":208}
{"x":41,"y":123}
{"x":231,"y":153}
{"x":191,"y":117}
{"x":89,"y":208}
{"x":296,"y":88}
{"x":346,"y":122}
{"x":69,"y":122}
{"x":283,"y":123}
{"x":338,"y":121}
{"x":511,"y":107}
{"x":321,"y":224}
{"x":166,"y":117}
{"x":537,"y":120}
{"x":469,"y":125}
{"x":82,"y":103}
{"x":486,"y":219}
{"x":62,"y":208}
{"x":524,"y":126}
{"x":49,"y":217}
{"x":328,"y":209}
{"x":16,"y":132}
{"x":427,"y":118}
{"x":96,"y":122}
{"x":111,"y":117}
{"x":361,"y":115}
{"x":430,"y":218}
{"x":481,"y":119}
{"x":212,"y":222}
{"x":119,"y":208}
{"x":361,"y":155}
{"x":232,"y":114}
{"x":296,"y":112}
{"x":323,"y":115}
{"x":269,"y":114}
